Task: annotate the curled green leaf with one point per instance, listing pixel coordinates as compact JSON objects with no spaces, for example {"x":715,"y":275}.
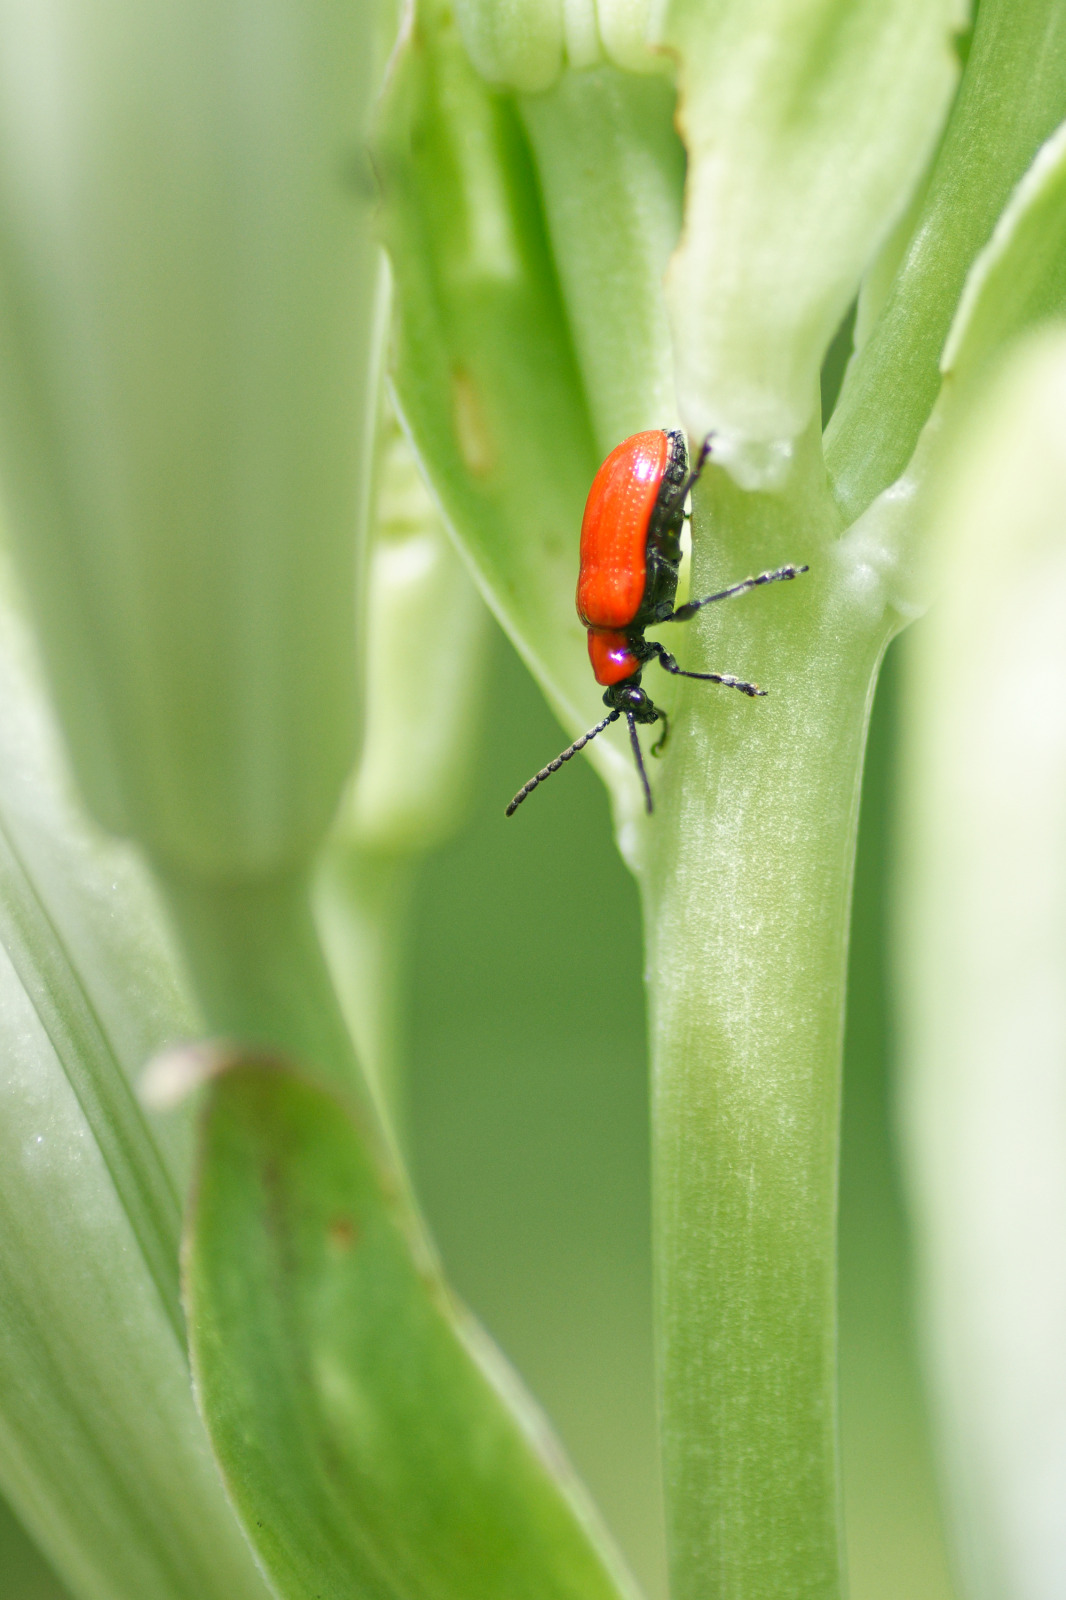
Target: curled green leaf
{"x":477,"y":300}
{"x":371,"y":1439}
{"x":101,"y":1450}
{"x":426,"y":633}
{"x":1016,"y":282}
{"x":1020,"y":276}
{"x":612,"y":172}
{"x":426,"y":644}
{"x":807,"y":128}
{"x":1011,"y":98}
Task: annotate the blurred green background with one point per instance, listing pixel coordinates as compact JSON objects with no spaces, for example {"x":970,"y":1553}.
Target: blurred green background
{"x":528,"y":1120}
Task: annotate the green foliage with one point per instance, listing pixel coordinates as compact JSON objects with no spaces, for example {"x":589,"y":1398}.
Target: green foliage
{"x":368,"y":1433}
{"x":747,"y":866}
{"x":981,"y":835}
{"x":101,"y":1449}
{"x":189,"y":285}
{"x":1020,"y":277}
{"x":611,"y":170}
{"x":807,"y":127}
{"x":477,"y":301}
{"x":1012,"y":96}
{"x":599,"y":218}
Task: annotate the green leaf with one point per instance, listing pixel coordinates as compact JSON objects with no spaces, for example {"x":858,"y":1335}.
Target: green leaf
{"x":612,"y":171}
{"x":83,"y":924}
{"x":524,"y":44}
{"x":101,"y":1449}
{"x":189,"y":291}
{"x":427,"y":634}
{"x":426,"y":637}
{"x":476,"y":303}
{"x":1020,"y":276}
{"x":981,"y":949}
{"x":1019,"y":279}
{"x":372,"y":1441}
{"x":23,"y":1570}
{"x":1012,"y":96}
{"x":807,"y":127}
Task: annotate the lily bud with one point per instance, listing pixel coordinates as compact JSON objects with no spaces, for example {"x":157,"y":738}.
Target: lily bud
{"x":525,"y":44}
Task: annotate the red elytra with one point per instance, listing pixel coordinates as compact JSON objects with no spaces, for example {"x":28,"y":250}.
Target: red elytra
{"x":614,"y":531}
{"x":627,"y":581}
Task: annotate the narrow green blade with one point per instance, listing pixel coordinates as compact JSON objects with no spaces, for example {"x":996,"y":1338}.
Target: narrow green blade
{"x":372,"y":1441}
{"x":1012,"y":96}
{"x":101,"y":1450}
{"x":477,"y":303}
{"x":1020,"y":276}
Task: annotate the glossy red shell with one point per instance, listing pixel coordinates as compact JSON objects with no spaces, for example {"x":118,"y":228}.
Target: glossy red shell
{"x":614,"y":533}
{"x":612,"y":660}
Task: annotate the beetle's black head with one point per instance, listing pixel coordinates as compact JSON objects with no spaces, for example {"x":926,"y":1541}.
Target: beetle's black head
{"x":629,"y":698}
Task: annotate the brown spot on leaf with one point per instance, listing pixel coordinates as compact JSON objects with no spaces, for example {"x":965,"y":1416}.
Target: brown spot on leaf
{"x":343,"y":1235}
{"x":471,"y":425}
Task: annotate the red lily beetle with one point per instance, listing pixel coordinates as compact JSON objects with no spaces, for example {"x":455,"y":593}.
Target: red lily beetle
{"x":630,"y":557}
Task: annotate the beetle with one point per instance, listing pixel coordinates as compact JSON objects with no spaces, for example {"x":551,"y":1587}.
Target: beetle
{"x":630,"y":558}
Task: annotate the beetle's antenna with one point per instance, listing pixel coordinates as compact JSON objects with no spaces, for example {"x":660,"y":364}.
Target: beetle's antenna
{"x":571,"y":750}
{"x":780,"y":575}
{"x":635,"y":742}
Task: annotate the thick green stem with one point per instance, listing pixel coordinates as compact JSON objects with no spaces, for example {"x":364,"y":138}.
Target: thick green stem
{"x":747,"y":902}
{"x":363,"y":902}
{"x":258,"y":970}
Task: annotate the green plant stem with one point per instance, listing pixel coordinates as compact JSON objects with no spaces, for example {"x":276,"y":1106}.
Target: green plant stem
{"x":363,"y":903}
{"x":747,"y":902}
{"x":258,"y":970}
{"x":1011,"y":98}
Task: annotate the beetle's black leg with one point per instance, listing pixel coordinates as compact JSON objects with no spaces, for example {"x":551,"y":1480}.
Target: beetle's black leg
{"x":779,"y":575}
{"x":660,"y":744}
{"x":639,"y":759}
{"x":668,"y":664}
